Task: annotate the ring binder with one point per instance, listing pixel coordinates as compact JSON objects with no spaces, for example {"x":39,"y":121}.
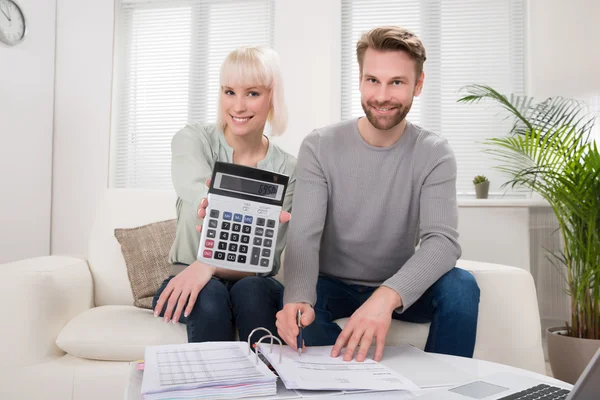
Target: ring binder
{"x":272,"y":337}
{"x":259,"y":329}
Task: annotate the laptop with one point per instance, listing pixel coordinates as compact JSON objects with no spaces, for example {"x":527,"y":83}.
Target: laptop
{"x":512,"y":386}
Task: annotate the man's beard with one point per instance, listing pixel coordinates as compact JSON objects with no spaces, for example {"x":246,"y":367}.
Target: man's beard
{"x":388,"y":121}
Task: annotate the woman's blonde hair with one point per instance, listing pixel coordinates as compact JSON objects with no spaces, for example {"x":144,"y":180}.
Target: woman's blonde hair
{"x":257,"y":66}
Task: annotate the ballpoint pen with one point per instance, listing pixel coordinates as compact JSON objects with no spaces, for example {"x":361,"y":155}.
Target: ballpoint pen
{"x":299,"y":337}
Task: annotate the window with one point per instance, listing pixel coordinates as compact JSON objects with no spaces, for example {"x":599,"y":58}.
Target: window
{"x":167,"y":59}
{"x":467,"y":42}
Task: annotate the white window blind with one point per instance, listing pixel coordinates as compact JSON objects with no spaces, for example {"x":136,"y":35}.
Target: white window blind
{"x":168,"y":54}
{"x":467,"y":42}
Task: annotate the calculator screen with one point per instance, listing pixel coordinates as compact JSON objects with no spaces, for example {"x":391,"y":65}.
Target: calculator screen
{"x":249,"y":186}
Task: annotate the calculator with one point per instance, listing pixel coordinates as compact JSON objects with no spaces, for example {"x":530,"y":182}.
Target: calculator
{"x":240,"y":229}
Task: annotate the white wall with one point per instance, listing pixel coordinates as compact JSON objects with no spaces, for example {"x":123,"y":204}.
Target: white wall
{"x":26,"y":115}
{"x":84,"y":58}
{"x":308,"y":40}
{"x":564,"y":48}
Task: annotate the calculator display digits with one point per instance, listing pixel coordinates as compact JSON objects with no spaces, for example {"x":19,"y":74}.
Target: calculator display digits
{"x":240,"y":229}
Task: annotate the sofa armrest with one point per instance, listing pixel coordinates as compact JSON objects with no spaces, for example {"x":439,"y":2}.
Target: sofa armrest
{"x":509,"y":328}
{"x":39,"y":296}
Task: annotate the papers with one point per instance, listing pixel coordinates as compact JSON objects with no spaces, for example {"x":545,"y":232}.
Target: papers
{"x":423,"y":369}
{"x":205,"y":370}
{"x":316,"y":370}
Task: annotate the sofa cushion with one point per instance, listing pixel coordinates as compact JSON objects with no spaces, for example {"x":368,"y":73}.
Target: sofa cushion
{"x":146,"y":253}
{"x":121,"y":208}
{"x":117,"y":333}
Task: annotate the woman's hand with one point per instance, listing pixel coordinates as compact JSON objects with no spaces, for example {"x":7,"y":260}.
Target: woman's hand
{"x":183,"y":288}
{"x":283,"y":217}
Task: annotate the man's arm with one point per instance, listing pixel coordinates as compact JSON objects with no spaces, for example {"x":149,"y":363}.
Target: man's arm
{"x":438,"y":222}
{"x":305,"y":230}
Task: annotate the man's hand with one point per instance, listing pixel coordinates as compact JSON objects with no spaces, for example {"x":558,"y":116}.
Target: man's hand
{"x":371,"y":320}
{"x":183,"y":288}
{"x":287,"y":326}
{"x":283,"y":217}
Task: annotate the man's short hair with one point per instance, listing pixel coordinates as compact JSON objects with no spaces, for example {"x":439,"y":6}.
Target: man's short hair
{"x":392,"y":38}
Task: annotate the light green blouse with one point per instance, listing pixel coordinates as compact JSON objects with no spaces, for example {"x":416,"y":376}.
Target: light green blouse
{"x":194,"y":150}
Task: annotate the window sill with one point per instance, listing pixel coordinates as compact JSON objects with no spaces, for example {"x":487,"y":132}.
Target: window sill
{"x":502,"y":202}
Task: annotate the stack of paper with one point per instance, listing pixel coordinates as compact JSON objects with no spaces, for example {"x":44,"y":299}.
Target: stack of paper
{"x":316,"y":370}
{"x":210,"y":370}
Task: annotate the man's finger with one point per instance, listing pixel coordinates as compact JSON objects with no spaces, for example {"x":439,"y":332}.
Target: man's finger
{"x":308,"y":316}
{"x":202,"y":208}
{"x":198,"y":228}
{"x":342,"y":339}
{"x":352,"y":343}
{"x":208,"y":182}
{"x":379,"y":346}
{"x":365,"y":344}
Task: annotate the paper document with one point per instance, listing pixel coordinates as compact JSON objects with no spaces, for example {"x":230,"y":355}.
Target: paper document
{"x":206,"y":370}
{"x":316,"y":370}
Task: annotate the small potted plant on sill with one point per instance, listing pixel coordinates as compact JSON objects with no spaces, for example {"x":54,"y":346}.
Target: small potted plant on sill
{"x":482,"y":186}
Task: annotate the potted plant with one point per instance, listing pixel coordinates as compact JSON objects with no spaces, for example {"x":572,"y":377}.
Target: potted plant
{"x":549,"y":151}
{"x":482,"y":186}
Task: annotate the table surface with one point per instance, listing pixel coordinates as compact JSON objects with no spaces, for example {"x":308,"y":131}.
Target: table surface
{"x":477,"y":368}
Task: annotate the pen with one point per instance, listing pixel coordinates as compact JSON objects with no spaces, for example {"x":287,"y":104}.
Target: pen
{"x":299,"y":337}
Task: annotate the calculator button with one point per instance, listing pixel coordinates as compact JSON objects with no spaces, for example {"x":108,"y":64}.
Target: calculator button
{"x":260,"y":221}
{"x":211,"y":233}
{"x":255,"y":256}
{"x":213,"y":223}
{"x":267,"y":243}
{"x":224,"y":235}
{"x":264,"y":262}
{"x":226,"y":225}
{"x":265,"y":252}
{"x":261,"y":212}
{"x":248,"y":219}
{"x":259,"y":231}
{"x":269,"y":233}
{"x":271,"y":223}
{"x":209,"y":244}
{"x":236,"y":227}
{"x":227,"y":216}
{"x":246,"y":208}
{"x":257,"y":241}
{"x":242,"y":259}
{"x":237,"y":217}
{"x":207,"y":253}
{"x":233,"y":247}
{"x":243,"y":249}
{"x":247,"y":229}
{"x":230,"y":257}
{"x":219,"y":255}
{"x":235,"y":237}
{"x":214,"y":213}
{"x":222,"y":246}
{"x":245,"y":239}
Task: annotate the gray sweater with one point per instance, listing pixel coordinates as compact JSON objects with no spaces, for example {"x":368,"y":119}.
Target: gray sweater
{"x":360,"y":212}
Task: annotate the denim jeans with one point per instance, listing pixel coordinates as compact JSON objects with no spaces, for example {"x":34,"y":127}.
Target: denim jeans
{"x":247,"y":304}
{"x":451,"y":305}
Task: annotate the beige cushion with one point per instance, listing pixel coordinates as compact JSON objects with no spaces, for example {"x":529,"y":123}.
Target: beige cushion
{"x":117,"y":333}
{"x":146,"y":253}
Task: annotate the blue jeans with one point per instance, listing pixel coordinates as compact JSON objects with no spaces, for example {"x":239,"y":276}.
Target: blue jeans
{"x":247,"y":304}
{"x":451,"y":305}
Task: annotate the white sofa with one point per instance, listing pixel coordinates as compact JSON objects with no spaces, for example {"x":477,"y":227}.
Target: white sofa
{"x":85,"y":305}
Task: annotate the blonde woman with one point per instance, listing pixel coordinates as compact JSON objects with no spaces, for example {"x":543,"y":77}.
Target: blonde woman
{"x":209,"y":300}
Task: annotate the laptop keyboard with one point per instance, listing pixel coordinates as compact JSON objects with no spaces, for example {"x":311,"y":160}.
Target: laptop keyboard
{"x":542,"y":392}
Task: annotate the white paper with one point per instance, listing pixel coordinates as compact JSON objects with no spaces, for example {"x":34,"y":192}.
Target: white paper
{"x":205,"y":370}
{"x":316,"y":370}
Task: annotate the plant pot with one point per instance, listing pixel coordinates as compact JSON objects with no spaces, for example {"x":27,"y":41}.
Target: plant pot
{"x":482,"y":189}
{"x":568,"y":355}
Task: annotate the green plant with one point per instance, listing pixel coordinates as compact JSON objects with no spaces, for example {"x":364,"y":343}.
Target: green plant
{"x":479,"y":179}
{"x":549,"y":151}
